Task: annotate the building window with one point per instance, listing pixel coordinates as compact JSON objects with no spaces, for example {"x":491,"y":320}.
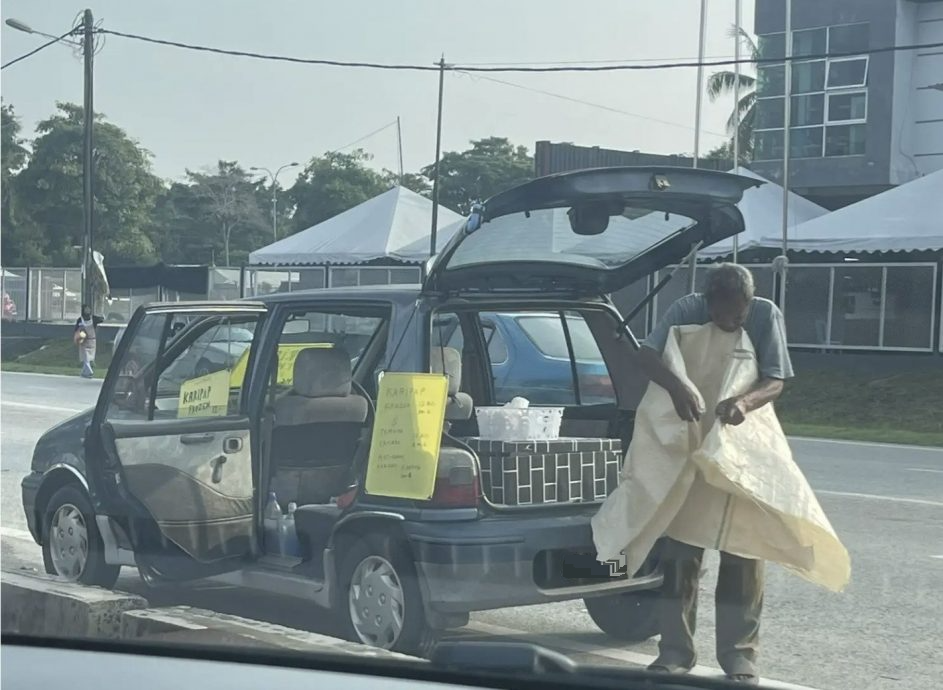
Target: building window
{"x":825,"y":93}
{"x":844,"y":140}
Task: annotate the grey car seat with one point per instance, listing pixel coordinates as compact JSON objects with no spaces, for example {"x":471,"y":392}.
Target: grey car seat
{"x":317,"y":428}
{"x":448,"y":361}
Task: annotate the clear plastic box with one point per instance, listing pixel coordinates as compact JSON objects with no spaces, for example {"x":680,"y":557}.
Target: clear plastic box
{"x":515,"y":424}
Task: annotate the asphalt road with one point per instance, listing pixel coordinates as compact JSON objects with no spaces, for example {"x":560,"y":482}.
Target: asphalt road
{"x":885,"y":502}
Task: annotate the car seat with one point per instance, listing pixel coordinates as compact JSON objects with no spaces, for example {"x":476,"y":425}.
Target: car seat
{"x":448,"y":361}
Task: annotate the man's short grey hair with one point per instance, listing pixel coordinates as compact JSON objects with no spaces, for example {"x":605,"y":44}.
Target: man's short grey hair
{"x":729,"y":281}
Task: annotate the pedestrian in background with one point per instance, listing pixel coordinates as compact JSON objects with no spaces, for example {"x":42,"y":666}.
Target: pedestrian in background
{"x":84,"y":337}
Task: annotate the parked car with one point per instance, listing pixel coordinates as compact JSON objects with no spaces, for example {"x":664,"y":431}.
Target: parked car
{"x":177,"y":480}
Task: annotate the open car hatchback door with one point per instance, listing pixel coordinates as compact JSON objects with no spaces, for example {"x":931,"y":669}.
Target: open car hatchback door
{"x":589,"y":231}
{"x":170,"y":451}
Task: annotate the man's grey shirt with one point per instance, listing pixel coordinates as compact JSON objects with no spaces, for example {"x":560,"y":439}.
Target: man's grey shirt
{"x":764,"y":324}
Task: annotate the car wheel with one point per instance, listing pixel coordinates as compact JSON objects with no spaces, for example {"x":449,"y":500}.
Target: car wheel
{"x":629,"y":616}
{"x":379,"y":602}
{"x":72,"y":545}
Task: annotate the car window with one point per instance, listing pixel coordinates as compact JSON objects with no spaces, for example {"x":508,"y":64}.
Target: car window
{"x":352,"y":332}
{"x":194,"y":359}
{"x":540,"y":367}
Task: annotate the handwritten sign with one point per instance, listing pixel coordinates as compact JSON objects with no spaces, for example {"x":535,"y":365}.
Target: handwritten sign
{"x":205,"y":396}
{"x":287,"y":354}
{"x":407,"y":433}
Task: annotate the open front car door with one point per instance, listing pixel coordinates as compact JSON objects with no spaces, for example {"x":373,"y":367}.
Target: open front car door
{"x":170,"y":448}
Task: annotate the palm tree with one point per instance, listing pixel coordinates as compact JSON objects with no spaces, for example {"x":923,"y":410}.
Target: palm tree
{"x":722,"y":83}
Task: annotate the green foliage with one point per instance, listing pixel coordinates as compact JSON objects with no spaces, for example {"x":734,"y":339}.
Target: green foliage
{"x":490,"y":166}
{"x":49,"y":194}
{"x":722,"y":84}
{"x":332,"y":184}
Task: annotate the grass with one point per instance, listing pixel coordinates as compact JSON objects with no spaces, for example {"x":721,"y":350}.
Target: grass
{"x":905,"y":407}
{"x":900,"y":408}
{"x":59,"y":357}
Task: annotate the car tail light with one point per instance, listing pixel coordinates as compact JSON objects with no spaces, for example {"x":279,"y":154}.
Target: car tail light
{"x":456,"y":484}
{"x":597,"y":385}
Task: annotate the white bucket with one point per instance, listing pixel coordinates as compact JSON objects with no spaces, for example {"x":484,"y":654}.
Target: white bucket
{"x":515,"y":424}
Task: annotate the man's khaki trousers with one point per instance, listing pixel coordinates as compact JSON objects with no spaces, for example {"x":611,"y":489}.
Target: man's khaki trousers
{"x":738,"y":600}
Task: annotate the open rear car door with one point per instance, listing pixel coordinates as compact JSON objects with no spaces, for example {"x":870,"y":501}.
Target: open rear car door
{"x":589,"y":231}
{"x":170,"y":448}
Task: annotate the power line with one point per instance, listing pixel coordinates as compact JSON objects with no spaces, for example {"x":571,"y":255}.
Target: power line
{"x":364,"y":137}
{"x":582,"y":67}
{"x":36,"y":50}
{"x":600,"y":106}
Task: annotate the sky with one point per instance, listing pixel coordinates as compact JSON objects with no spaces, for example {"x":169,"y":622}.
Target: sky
{"x":190,"y":109}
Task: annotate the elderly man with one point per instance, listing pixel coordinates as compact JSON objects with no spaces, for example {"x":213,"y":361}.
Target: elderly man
{"x":729,"y":302}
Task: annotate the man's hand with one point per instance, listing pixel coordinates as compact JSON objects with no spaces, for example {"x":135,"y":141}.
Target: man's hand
{"x":732,"y":411}
{"x":686,"y":403}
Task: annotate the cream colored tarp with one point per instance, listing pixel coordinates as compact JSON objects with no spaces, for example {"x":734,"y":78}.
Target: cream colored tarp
{"x":729,"y":488}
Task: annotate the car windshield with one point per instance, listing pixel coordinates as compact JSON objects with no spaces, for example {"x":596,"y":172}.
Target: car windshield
{"x":548,"y":235}
{"x":427,"y":333}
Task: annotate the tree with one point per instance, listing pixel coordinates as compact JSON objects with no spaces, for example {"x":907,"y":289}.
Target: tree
{"x":722,"y":84}
{"x":216,"y":213}
{"x":490,"y":166}
{"x":49,"y":190}
{"x":332,"y":184}
{"x":415,"y":182}
{"x":19,"y":243}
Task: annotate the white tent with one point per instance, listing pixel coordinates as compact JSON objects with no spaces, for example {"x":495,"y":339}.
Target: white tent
{"x":375,"y":229}
{"x":417,"y":251}
{"x":906,"y":218}
{"x":762,"y":209}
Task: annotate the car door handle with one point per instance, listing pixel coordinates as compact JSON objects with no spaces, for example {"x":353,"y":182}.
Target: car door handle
{"x":193,"y":439}
{"x":232,"y":444}
{"x":217,"y":464}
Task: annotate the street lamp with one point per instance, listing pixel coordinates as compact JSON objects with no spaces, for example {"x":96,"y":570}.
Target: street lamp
{"x":87,"y":28}
{"x":274,"y":178}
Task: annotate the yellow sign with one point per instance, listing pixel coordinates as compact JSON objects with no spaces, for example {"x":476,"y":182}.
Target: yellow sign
{"x":205,"y":396}
{"x":407,"y":433}
{"x":287,"y":354}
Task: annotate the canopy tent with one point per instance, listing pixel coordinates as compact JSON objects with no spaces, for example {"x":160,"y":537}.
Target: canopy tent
{"x":906,"y":218}
{"x":417,"y":251}
{"x":762,"y":209}
{"x":375,"y":229}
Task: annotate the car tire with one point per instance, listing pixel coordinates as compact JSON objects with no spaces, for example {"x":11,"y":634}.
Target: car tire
{"x":628,"y":616}
{"x":72,"y":544}
{"x":373,"y":559}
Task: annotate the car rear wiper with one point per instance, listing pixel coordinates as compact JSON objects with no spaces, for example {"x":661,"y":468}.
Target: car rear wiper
{"x":503,"y":659}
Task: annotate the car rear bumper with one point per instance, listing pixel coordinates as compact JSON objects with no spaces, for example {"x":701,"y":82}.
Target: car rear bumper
{"x":498,"y":562}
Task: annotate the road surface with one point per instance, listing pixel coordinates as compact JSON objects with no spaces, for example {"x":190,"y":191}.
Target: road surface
{"x":885,"y":502}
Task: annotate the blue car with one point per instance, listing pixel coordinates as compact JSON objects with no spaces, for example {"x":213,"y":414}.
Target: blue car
{"x":530,"y":358}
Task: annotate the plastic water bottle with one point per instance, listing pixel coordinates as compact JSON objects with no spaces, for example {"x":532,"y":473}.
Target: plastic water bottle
{"x":290,"y":546}
{"x":272,"y":519}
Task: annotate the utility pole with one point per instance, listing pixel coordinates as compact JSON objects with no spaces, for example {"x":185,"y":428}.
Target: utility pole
{"x":698,"y":106}
{"x":399,"y":148}
{"x":88,"y":52}
{"x":783,"y":261}
{"x":736,"y":107}
{"x":438,"y":155}
{"x":274,"y":177}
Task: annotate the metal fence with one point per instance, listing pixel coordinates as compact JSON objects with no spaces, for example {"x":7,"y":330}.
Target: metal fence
{"x":829,"y":306}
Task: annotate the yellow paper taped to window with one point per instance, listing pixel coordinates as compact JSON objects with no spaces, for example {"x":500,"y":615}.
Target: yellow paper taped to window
{"x":287,"y":354}
{"x":205,"y":396}
{"x":407,"y":434}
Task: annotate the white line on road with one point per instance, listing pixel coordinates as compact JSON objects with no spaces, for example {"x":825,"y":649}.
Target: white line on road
{"x":50,"y":408}
{"x":76,"y":377}
{"x":623,"y":655}
{"x":889,"y":446}
{"x":874,"y":497}
{"x":940,"y":556}
{"x":924,"y":469}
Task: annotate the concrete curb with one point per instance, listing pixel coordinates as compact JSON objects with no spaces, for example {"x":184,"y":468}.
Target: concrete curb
{"x":47,"y":606}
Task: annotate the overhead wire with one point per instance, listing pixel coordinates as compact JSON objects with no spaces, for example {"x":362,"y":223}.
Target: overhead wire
{"x":590,"y":104}
{"x":522,"y":68}
{"x":37,"y":49}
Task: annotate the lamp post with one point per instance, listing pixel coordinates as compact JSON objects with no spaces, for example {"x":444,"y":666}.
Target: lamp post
{"x":87,"y":28}
{"x":274,"y":178}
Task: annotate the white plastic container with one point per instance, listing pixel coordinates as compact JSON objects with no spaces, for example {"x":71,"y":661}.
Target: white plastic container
{"x":516,"y":424}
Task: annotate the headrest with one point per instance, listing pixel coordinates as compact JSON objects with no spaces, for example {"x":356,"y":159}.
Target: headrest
{"x":322,"y":372}
{"x":448,"y":361}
